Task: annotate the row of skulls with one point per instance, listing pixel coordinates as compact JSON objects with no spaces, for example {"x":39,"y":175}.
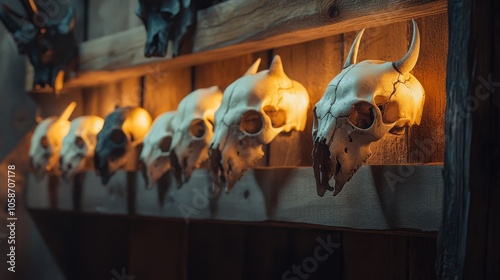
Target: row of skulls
{"x":226,"y":132}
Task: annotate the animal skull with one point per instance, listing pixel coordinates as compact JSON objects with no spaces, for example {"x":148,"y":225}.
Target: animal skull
{"x":123,"y":131}
{"x":79,"y":144}
{"x":165,"y":20}
{"x":155,"y":155}
{"x":193,"y":130}
{"x":47,"y":140}
{"x":360,"y":105}
{"x":50,"y":45}
{"x":255,"y":109}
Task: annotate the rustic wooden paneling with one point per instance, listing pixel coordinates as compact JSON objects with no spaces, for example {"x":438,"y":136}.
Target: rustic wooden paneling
{"x":102,"y":100}
{"x":426,"y":141}
{"x":221,"y":34}
{"x":163,"y":90}
{"x":111,"y":16}
{"x":313,"y":64}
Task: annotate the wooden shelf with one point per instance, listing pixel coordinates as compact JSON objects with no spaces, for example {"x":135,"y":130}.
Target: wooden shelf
{"x":238,"y":27}
{"x":379,"y":197}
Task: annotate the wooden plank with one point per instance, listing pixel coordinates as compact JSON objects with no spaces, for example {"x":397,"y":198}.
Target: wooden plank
{"x":371,"y":201}
{"x":110,"y":17}
{"x":222,"y":33}
{"x":164,"y":90}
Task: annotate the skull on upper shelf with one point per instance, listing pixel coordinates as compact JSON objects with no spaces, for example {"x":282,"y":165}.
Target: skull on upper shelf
{"x":155,"y":155}
{"x":50,"y":44}
{"x":47,"y":140}
{"x":167,"y":20}
{"x":122,"y":133}
{"x":364,"y":102}
{"x":79,"y":144}
{"x":193,"y":130}
{"x":255,"y":109}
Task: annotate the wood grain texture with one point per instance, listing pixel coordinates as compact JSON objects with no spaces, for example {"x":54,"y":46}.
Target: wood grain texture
{"x":164,"y":90}
{"x":235,"y":28}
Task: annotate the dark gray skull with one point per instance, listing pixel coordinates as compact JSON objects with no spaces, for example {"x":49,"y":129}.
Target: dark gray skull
{"x":49,"y":44}
{"x":123,"y":130}
{"x":167,"y":20}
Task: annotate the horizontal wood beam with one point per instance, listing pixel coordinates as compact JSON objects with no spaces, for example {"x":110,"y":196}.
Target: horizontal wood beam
{"x":389,"y":198}
{"x":238,"y":27}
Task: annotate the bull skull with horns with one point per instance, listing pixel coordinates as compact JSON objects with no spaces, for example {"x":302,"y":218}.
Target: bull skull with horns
{"x":254,"y":110}
{"x":49,"y":44}
{"x":167,"y":20}
{"x":47,"y":140}
{"x":361,"y":104}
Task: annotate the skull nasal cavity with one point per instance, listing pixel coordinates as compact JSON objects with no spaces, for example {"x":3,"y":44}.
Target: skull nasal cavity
{"x":197,"y":128}
{"x":251,"y":122}
{"x":362,"y":115}
{"x":278,"y":117}
{"x":165,"y":144}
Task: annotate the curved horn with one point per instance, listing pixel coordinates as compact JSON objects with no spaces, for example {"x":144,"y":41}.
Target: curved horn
{"x":407,"y":63}
{"x":253,"y":69}
{"x":68,"y":111}
{"x":30,"y":7}
{"x":353,"y":53}
{"x":276,"y":66}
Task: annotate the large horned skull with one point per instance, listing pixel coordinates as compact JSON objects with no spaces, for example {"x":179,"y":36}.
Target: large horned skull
{"x":193,"y":130}
{"x":360,"y":105}
{"x":47,"y":140}
{"x":79,"y":144}
{"x":155,"y":155}
{"x":255,"y":109}
{"x":123,"y":131}
{"x":165,"y":20}
{"x":49,"y":44}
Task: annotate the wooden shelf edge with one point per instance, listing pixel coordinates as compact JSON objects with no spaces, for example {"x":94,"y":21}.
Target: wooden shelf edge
{"x":238,"y":27}
{"x":378,"y":198}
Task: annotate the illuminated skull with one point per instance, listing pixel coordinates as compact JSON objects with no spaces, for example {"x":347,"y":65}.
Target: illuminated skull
{"x":360,"y":105}
{"x":255,"y":109}
{"x":47,"y":140}
{"x":193,"y":130}
{"x":79,"y":144}
{"x":123,"y":130}
{"x":155,"y":155}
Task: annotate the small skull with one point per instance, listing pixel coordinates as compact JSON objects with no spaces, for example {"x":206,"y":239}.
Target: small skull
{"x":122,"y":133}
{"x":255,"y":109}
{"x":193,"y":130}
{"x":47,"y":140}
{"x":79,"y":144}
{"x":360,"y":105}
{"x":155,"y":155}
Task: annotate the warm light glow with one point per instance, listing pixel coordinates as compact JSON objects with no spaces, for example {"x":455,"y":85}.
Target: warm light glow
{"x":59,"y":82}
{"x":138,"y":122}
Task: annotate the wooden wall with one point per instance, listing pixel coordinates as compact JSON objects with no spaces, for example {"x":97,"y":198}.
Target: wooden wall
{"x":173,"y":250}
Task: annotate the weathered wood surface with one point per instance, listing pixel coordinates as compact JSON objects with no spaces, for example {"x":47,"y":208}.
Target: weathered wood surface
{"x":378,"y":198}
{"x":470,"y":234}
{"x":110,"y":17}
{"x":234,"y":28}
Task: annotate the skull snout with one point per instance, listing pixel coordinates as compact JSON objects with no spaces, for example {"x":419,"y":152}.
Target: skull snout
{"x":144,"y":171}
{"x":322,"y":166}
{"x":157,"y":39}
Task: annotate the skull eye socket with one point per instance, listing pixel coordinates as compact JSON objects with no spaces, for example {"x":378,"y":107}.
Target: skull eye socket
{"x":277,"y":116}
{"x":251,"y":122}
{"x":167,"y":16}
{"x":118,"y":137}
{"x":197,"y":128}
{"x":44,"y":141}
{"x":79,"y":142}
{"x":165,"y":144}
{"x":362,"y":115}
